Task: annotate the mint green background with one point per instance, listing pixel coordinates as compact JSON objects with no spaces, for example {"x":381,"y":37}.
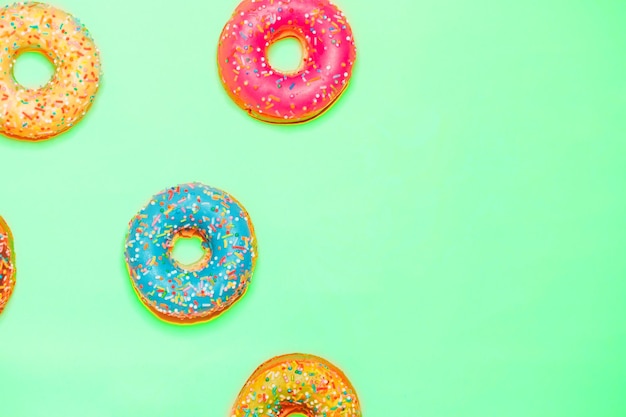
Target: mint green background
{"x":451,"y":234}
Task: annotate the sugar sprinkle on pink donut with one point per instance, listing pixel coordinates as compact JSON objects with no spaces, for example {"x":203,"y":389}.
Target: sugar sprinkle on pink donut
{"x":273,"y":96}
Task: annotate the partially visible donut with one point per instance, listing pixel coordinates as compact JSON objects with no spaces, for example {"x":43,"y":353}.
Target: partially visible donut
{"x":297,"y":383}
{"x":41,"y":113}
{"x":275,"y":96}
{"x":7,"y":264}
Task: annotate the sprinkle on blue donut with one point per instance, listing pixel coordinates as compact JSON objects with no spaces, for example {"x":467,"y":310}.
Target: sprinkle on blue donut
{"x":191,"y":293}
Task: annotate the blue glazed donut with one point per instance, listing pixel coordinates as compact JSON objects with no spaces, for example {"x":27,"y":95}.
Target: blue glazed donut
{"x":188,"y":294}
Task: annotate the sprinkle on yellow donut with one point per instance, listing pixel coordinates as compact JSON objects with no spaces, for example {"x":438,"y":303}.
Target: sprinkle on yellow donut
{"x":297,"y":383}
{"x":36,"y":114}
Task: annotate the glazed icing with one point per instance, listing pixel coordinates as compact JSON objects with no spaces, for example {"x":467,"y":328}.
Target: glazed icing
{"x":297,"y":383}
{"x":274,"y":96}
{"x":191,"y":293}
{"x":36,"y":114}
{"x":7,"y":264}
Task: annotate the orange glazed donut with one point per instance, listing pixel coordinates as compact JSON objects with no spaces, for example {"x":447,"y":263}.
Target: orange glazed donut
{"x":297,"y":383}
{"x":41,"y":113}
{"x":7,"y":264}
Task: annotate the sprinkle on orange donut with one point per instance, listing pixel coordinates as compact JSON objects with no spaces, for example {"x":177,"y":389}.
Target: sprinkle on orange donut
{"x":7,"y":264}
{"x":41,"y":113}
{"x":297,"y":383}
{"x":273,"y":96}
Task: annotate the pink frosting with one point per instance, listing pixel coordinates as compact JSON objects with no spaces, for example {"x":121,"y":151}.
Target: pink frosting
{"x":278,"y":97}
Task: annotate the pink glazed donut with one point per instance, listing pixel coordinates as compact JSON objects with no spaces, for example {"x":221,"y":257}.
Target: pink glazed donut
{"x":274,"y":96}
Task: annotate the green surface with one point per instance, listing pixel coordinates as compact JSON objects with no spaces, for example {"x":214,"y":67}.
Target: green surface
{"x":285,"y":55}
{"x":451,"y":234}
{"x":188,"y":251}
{"x":33,"y":69}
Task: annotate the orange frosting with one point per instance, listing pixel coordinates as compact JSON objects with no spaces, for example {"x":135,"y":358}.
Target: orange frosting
{"x":297,"y":383}
{"x":36,"y":114}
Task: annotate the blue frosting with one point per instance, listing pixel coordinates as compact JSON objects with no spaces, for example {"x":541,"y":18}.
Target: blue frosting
{"x":177,"y":292}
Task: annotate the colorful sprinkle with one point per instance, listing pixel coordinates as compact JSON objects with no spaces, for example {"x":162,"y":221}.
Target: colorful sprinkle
{"x":329,"y":54}
{"x":297,"y":383}
{"x":191,"y":293}
{"x":64,"y":100}
{"x":7,"y":264}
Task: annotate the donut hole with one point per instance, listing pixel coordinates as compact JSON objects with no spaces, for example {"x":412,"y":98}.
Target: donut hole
{"x":190,"y":250}
{"x":33,"y":69}
{"x":286,"y":55}
{"x":291,"y":410}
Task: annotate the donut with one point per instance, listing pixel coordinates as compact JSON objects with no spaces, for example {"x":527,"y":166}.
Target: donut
{"x":297,"y":383}
{"x":7,"y":264}
{"x":41,"y":113}
{"x":187,"y":294}
{"x":273,"y":96}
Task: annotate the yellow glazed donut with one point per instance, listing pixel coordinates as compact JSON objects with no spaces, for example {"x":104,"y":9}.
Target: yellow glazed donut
{"x":297,"y":383}
{"x":36,"y":114}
